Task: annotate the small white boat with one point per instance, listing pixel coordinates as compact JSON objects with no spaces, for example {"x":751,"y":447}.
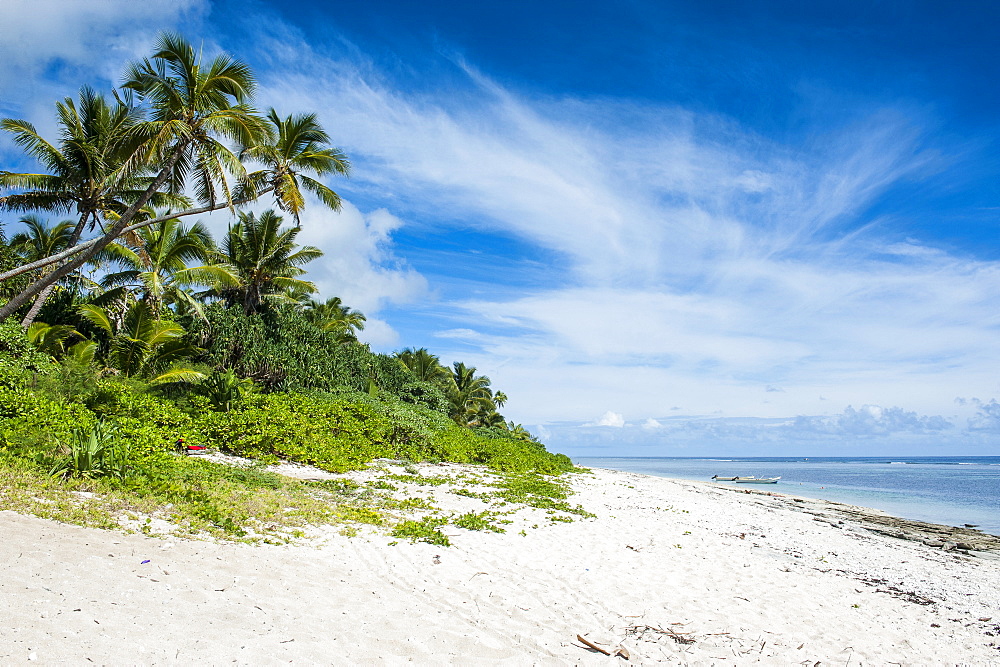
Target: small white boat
{"x":756,"y":480}
{"x":724,"y":479}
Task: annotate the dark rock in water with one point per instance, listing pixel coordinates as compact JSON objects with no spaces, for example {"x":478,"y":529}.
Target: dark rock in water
{"x":972,"y":525}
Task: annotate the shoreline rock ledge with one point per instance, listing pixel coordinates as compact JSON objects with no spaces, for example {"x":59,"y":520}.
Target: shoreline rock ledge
{"x":966,"y":539}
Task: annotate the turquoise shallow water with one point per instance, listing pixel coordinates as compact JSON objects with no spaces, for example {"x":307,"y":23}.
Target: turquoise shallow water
{"x":948,"y":490}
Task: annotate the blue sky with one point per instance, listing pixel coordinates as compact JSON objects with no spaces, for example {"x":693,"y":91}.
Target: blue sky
{"x":663,"y":228}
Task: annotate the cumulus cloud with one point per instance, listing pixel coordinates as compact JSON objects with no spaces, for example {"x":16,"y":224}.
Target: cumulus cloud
{"x":987,"y":416}
{"x":612,"y":419}
{"x":866,"y":431}
{"x":359,"y":264}
{"x":872,"y":420}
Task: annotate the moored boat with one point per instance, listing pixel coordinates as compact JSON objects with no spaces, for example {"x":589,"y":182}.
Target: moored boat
{"x":756,"y":480}
{"x":724,"y":479}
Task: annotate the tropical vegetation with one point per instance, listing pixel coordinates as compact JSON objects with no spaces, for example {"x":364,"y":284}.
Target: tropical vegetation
{"x":127,"y":328}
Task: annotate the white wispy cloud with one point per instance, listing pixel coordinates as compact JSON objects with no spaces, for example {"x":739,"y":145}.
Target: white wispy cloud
{"x":697,"y":266}
{"x":706,"y":262}
{"x":48,"y":48}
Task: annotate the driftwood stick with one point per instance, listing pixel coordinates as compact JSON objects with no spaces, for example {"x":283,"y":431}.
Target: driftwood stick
{"x":592,"y":645}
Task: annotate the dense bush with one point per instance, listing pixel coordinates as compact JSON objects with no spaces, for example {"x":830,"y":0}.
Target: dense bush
{"x":282,"y":350}
{"x":426,"y":394}
{"x":149,"y":425}
{"x":19,"y":361}
{"x":31,"y":423}
{"x":338,"y":430}
{"x":342,"y":432}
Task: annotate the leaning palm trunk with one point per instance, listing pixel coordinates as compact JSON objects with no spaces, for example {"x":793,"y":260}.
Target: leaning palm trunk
{"x":80,"y":247}
{"x":99,"y":244}
{"x":37,"y":306}
{"x":44,"y":294}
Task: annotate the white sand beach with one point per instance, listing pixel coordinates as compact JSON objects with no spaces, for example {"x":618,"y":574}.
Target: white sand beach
{"x":670,"y":571}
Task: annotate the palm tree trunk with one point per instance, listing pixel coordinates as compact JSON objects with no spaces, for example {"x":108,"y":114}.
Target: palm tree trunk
{"x":37,"y":306}
{"x":69,"y":252}
{"x":85,"y":256}
{"x":41,"y":298}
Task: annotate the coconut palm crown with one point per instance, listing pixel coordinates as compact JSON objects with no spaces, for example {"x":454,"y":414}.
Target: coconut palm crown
{"x":266,"y":262}
{"x":299,"y":146}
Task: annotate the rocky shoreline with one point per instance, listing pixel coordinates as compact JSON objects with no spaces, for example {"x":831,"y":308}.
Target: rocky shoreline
{"x":966,"y":539}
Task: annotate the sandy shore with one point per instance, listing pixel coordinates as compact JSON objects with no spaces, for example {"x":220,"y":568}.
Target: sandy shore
{"x":670,"y":571}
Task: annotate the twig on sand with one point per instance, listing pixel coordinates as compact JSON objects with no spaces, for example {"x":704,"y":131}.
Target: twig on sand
{"x":592,"y":645}
{"x":679,"y":637}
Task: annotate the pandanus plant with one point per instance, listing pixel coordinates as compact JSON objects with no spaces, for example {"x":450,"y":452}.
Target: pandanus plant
{"x":94,"y":452}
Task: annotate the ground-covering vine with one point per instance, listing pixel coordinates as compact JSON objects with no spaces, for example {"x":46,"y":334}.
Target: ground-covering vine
{"x":108,"y":458}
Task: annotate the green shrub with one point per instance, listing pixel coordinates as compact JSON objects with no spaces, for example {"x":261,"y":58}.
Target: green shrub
{"x":334,"y":431}
{"x":95,"y":452}
{"x":425,"y":394}
{"x":33,"y":424}
{"x":344,"y":431}
{"x":74,"y":379}
{"x":150,"y":424}
{"x":20,"y":362}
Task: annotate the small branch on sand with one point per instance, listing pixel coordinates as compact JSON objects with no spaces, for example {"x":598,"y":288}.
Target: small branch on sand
{"x":592,"y":645}
{"x":641,"y":630}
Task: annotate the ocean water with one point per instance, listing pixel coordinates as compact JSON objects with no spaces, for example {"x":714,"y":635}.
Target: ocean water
{"x":951,"y":490}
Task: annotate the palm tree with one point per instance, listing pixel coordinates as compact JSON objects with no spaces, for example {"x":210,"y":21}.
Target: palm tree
{"x":93,"y":169}
{"x":299,"y":146}
{"x":155,"y":261}
{"x":491,"y":418}
{"x":470,"y":395}
{"x":520,"y":433}
{"x":51,"y":339}
{"x":143,"y":346}
{"x":265,"y":262}
{"x":192,"y":105}
{"x":425,"y":366}
{"x":333,"y":316}
{"x":296,"y":148}
{"x":40,"y":240}
{"x":499,"y":399}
